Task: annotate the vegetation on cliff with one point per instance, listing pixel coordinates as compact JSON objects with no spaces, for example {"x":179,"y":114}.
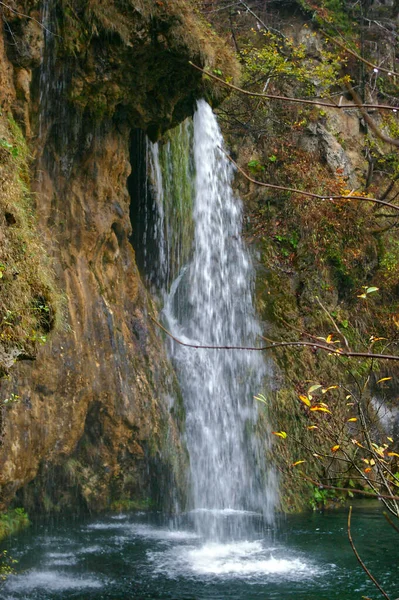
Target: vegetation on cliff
{"x":318,"y":256}
{"x":29,"y":301}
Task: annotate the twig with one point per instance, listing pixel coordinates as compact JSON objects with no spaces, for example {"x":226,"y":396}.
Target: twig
{"x":333,"y":322}
{"x":363,"y":60}
{"x":375,"y":495}
{"x":392,"y":524}
{"x":16,"y":12}
{"x":289,"y":98}
{"x":358,"y":101}
{"x":365,"y":569}
{"x":274,"y":345}
{"x":310,"y":194}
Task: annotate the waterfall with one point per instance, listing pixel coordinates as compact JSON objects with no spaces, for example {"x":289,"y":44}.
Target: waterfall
{"x":210,"y":302}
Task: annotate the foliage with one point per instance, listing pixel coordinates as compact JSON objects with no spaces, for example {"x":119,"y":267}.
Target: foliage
{"x":30,"y":305}
{"x":7,"y":565}
{"x":12,"y":521}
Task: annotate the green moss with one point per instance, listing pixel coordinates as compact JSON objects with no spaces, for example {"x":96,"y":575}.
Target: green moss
{"x":30,"y":304}
{"x":12,"y":521}
{"x":128,"y":504}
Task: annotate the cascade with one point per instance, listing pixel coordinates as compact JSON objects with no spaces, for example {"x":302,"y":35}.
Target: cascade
{"x":210,"y":302}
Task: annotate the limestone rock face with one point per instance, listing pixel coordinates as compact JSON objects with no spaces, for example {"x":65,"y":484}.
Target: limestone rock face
{"x":92,"y":425}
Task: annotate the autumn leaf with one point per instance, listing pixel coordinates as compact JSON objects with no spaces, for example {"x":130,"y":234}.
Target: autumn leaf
{"x":320,"y":409}
{"x":305,"y":400}
{"x":312,"y":427}
{"x":367,"y":470}
{"x":384,"y":379}
{"x":352,"y":420}
{"x":281,"y":434}
{"x":393,"y":454}
{"x":335,"y":448}
{"x":298,"y":462}
{"x":313,"y":388}
{"x":331,"y":387}
{"x":261,"y":398}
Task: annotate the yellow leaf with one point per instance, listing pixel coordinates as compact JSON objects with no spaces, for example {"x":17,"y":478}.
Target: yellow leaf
{"x":312,"y":427}
{"x":325,"y":390}
{"x":320,"y":409}
{"x":357,"y":443}
{"x":335,"y":448}
{"x":384,"y":379}
{"x":298,"y":462}
{"x":390,"y":439}
{"x":348,"y":396}
{"x":305,"y":400}
{"x":313,"y":388}
{"x":329,"y":339}
{"x":352,"y":420}
{"x":281,"y":434}
{"x":393,"y":454}
{"x":261,"y":398}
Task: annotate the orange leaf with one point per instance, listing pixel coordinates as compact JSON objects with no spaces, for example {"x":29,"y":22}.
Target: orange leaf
{"x":335,"y":448}
{"x":367,"y":470}
{"x":393,"y":454}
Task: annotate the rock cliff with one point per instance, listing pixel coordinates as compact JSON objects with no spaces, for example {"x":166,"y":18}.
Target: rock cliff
{"x":90,"y":425}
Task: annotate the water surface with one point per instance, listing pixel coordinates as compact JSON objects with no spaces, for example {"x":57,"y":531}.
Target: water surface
{"x":141,"y":556}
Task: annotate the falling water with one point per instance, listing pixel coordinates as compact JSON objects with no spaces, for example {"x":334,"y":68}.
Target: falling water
{"x":210,"y":302}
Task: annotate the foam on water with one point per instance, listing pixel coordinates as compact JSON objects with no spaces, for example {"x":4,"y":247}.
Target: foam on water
{"x":51,"y":580}
{"x":241,"y":560}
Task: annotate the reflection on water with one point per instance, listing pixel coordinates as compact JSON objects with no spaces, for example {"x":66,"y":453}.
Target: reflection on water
{"x":306,"y":557}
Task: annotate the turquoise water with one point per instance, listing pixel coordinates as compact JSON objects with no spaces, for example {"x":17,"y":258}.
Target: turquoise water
{"x":141,"y":556}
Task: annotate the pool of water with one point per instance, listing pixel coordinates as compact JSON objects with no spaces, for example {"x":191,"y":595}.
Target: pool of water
{"x":146,"y":556}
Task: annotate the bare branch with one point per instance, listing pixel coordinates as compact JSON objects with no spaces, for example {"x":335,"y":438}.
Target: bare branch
{"x":290,"y":99}
{"x":392,"y":524}
{"x":16,"y":12}
{"x":375,"y":495}
{"x":370,"y":122}
{"x":310,"y":194}
{"x":274,"y":345}
{"x":365,"y":569}
{"x":358,"y":57}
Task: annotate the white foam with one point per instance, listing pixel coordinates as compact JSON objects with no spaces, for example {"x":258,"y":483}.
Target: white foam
{"x":50,"y":580}
{"x":241,"y":560}
{"x":225,"y":512}
{"x":105,"y":526}
{"x":60,"y":558}
{"x":163,"y":534}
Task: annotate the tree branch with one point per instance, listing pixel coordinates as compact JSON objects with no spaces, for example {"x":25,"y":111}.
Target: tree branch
{"x":370,"y":122}
{"x":310,"y":194}
{"x":365,"y":569}
{"x":288,"y":98}
{"x":274,"y":345}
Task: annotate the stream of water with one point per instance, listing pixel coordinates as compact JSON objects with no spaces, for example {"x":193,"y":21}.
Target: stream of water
{"x":210,"y":302}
